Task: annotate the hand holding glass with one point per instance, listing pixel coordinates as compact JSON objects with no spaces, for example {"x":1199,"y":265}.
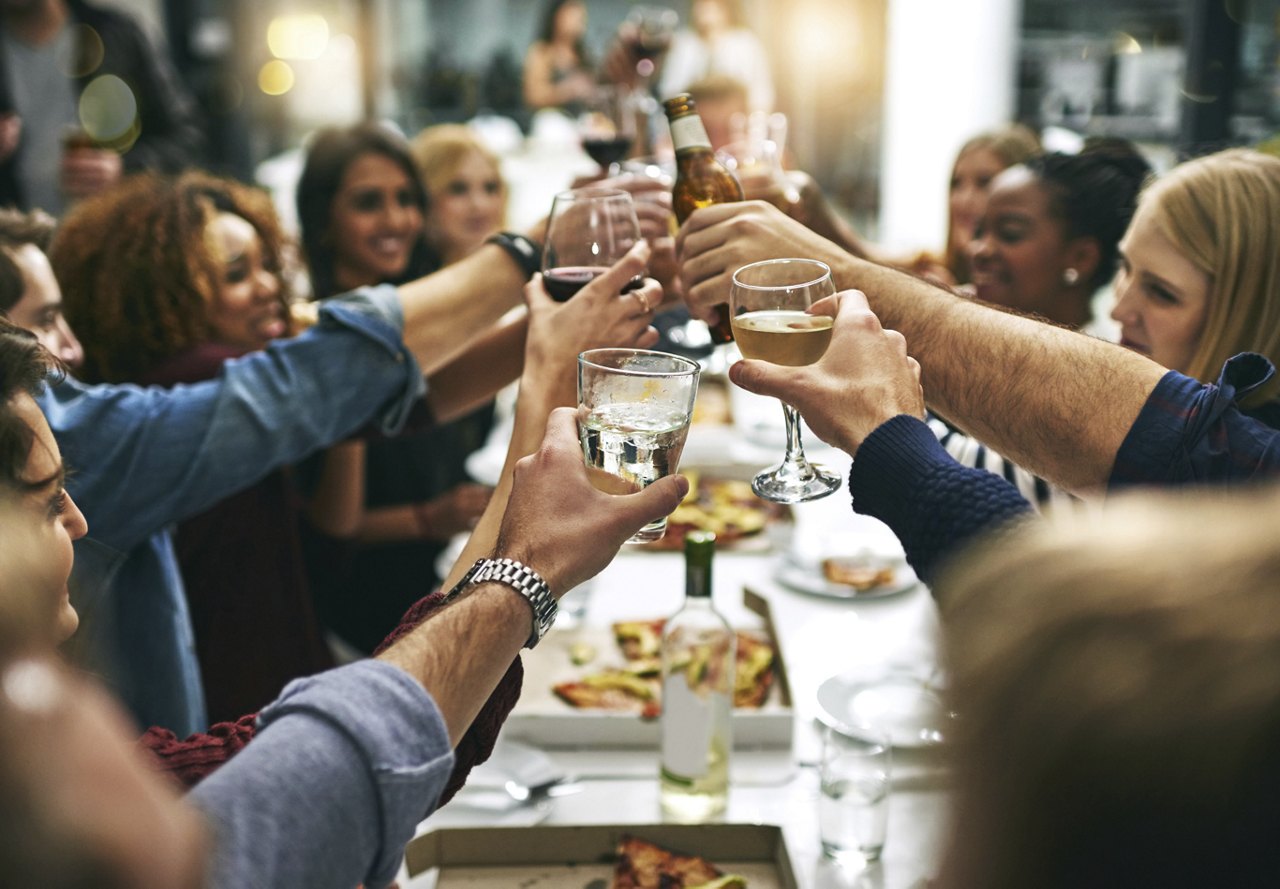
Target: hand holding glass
{"x":634,"y":408}
{"x":590,"y":229}
{"x":767,"y":302}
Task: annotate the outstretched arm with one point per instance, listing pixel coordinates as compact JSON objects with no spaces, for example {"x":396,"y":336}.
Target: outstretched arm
{"x":1074,"y":398}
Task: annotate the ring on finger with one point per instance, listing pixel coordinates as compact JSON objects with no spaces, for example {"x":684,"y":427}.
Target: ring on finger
{"x":642,"y":299}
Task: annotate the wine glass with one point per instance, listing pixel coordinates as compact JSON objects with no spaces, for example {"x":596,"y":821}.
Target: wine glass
{"x":758,"y":165}
{"x":649,"y":31}
{"x":589,"y":230}
{"x":607,"y":127}
{"x":767,"y":303}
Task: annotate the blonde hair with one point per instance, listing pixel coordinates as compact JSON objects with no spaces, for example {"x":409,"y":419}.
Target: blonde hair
{"x":440,"y":150}
{"x":1012,"y":144}
{"x":1117,"y":685}
{"x":1222,"y":212}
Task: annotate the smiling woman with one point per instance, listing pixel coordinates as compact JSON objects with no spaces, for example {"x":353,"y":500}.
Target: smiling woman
{"x":168,"y":278}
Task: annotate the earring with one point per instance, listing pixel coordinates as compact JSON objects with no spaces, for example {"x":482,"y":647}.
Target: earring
{"x":1070,"y":277}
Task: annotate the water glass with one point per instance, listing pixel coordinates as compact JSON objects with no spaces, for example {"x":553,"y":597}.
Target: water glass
{"x":634,"y":408}
{"x":853,"y":806}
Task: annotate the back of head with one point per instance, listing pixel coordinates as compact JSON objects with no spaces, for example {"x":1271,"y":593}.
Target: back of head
{"x":1095,"y":194}
{"x":1222,"y":212}
{"x":18,"y":229}
{"x":137,"y":272}
{"x":330,"y":152}
{"x":1117,"y":681}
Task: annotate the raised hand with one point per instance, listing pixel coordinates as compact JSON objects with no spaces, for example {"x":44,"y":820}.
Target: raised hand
{"x":865,"y":377}
{"x":559,"y":524}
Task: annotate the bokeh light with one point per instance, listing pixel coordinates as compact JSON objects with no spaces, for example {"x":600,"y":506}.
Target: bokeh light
{"x":275,"y":78}
{"x":301,"y":36}
{"x":109,"y":112}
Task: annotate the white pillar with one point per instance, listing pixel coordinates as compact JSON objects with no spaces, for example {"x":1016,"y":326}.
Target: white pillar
{"x":950,"y":72}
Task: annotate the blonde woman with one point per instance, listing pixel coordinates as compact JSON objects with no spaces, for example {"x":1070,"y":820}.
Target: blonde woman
{"x":466,"y":194}
{"x":1200,"y":268}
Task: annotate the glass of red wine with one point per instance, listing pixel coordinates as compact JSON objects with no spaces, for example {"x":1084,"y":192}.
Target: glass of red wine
{"x":607,"y":127}
{"x":589,"y":230}
{"x":650,"y":29}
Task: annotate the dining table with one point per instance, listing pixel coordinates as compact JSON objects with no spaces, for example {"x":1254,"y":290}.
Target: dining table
{"x":819,"y":636}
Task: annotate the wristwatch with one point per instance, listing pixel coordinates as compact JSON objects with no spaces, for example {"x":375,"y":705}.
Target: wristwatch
{"x":525,"y":581}
{"x":525,"y":251}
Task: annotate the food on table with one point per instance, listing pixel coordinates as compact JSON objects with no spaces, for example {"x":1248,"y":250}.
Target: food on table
{"x":645,"y":865}
{"x":856,"y":572}
{"x":635,"y":687}
{"x":726,"y":507}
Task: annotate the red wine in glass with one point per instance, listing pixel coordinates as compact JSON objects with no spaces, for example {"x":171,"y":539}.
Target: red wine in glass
{"x":564,"y":281}
{"x":607,"y":150}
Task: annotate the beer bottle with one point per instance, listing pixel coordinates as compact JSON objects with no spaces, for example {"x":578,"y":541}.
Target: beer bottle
{"x":701,"y":180}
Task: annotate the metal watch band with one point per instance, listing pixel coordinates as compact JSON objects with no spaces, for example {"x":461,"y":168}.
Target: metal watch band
{"x":525,"y":581}
{"x":525,"y":251}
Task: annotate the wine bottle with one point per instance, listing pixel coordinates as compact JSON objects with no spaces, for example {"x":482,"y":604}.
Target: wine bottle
{"x":701,"y":180}
{"x":698,"y":661}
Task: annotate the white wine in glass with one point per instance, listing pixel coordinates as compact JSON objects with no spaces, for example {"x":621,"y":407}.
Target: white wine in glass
{"x":768,"y":303}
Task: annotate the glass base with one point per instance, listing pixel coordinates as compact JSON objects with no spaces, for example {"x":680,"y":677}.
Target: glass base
{"x":795,"y":483}
{"x":650,"y":532}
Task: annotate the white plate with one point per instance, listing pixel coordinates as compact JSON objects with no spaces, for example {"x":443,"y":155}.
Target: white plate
{"x":903,"y":706}
{"x":808,"y":578}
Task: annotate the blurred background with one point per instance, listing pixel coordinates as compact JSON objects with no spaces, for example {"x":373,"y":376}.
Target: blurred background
{"x":879,"y":93}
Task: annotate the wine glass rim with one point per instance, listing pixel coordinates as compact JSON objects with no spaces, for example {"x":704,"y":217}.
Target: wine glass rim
{"x":825,"y":273}
{"x":591,"y":358}
{"x":592,"y":192}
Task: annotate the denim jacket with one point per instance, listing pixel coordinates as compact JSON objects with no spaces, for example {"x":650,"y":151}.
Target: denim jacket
{"x":141,"y":460}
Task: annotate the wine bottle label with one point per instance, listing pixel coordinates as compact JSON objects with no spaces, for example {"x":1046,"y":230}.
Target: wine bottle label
{"x":688,"y":132}
{"x":687,"y":723}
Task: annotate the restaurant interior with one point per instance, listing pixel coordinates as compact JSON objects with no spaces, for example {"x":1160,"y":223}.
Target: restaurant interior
{"x":309,"y":278}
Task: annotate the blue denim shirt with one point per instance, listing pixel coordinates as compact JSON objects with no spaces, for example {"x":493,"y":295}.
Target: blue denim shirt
{"x":144,"y":459}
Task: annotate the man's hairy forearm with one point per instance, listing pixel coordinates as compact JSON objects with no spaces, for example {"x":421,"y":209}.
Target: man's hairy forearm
{"x":1057,"y":402}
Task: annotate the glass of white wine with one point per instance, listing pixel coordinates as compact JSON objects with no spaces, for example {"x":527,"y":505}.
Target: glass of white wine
{"x":767,"y":303}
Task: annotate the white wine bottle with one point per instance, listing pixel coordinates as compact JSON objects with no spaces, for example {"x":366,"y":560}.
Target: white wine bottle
{"x":701,"y":180}
{"x":697,"y":695}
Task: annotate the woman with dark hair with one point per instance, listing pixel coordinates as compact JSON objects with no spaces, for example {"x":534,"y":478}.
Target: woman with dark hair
{"x":366,"y":171}
{"x":557,"y":71}
{"x":391,"y":504}
{"x":1050,"y":234}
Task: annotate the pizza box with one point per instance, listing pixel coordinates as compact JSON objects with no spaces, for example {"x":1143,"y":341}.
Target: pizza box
{"x":544,"y":720}
{"x":574,"y":857}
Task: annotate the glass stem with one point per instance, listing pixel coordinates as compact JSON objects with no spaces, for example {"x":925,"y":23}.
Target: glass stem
{"x":795,"y":460}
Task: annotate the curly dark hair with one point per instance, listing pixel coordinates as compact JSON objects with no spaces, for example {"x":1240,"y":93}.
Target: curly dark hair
{"x":331,"y":152}
{"x":17,"y":229}
{"x":137,"y":273}
{"x":1095,"y":194}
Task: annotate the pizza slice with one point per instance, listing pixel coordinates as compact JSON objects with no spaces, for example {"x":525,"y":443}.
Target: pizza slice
{"x":645,"y":865}
{"x":641,"y":641}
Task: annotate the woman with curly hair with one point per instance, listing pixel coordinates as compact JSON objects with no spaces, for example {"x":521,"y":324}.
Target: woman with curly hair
{"x":167,"y":279}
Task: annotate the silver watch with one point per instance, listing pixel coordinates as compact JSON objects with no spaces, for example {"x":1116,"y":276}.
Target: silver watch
{"x":525,"y":581}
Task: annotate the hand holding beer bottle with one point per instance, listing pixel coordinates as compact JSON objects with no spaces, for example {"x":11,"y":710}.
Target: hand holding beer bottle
{"x":701,"y":180}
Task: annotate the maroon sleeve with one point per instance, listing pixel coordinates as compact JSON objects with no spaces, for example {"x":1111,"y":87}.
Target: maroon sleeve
{"x":192,"y":759}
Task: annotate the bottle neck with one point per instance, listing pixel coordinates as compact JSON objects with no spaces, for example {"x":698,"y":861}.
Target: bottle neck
{"x":697,"y":581}
{"x":689,"y":134}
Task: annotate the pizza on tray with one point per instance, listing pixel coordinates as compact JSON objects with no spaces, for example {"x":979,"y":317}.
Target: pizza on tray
{"x":727,"y":507}
{"x":635,"y":687}
{"x":645,"y":865}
